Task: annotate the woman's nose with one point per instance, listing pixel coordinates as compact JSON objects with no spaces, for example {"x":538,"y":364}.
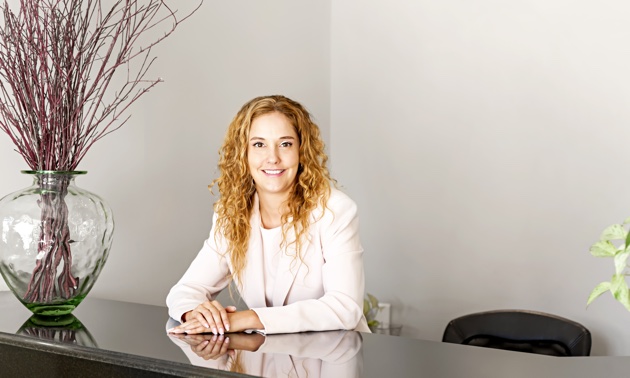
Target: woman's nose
{"x":273,"y":156}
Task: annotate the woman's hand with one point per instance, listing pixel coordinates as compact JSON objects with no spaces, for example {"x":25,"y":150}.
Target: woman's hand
{"x":229,"y":320}
{"x":210,"y":316}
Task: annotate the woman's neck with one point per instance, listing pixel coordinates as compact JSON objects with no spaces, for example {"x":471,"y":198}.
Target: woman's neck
{"x":271,"y":209}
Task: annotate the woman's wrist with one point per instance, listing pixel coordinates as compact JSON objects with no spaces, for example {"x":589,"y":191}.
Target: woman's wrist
{"x":243,"y":320}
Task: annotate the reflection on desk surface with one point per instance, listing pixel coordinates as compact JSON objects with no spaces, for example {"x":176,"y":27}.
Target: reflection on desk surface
{"x":134,"y":335}
{"x":64,"y":329}
{"x":310,"y":354}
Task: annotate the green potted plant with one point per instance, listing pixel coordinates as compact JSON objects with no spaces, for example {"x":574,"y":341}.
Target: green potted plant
{"x":370,"y":310}
{"x":614,"y":242}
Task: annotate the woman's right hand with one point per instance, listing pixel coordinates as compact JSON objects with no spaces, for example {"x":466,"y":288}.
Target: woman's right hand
{"x":209,"y":316}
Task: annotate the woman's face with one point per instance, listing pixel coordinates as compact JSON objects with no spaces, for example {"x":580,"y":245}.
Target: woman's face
{"x":273,"y":154}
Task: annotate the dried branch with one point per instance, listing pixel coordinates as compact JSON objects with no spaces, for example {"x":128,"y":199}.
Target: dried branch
{"x":58,"y":59}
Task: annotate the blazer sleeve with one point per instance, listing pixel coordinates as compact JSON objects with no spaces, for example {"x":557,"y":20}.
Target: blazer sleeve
{"x":206,"y":276}
{"x":341,"y":306}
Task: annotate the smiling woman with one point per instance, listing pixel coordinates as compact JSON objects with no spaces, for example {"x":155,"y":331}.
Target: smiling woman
{"x":281,"y":232}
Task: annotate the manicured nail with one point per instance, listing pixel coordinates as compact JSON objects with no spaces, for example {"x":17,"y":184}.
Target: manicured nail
{"x":206,"y":325}
{"x":214,"y":330}
{"x":227,"y":327}
{"x":221,"y":331}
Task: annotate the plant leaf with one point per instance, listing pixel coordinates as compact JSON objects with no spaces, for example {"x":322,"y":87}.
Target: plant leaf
{"x":603,"y":249}
{"x":620,"y":260}
{"x":627,"y":221}
{"x":618,"y":286}
{"x":373,"y":323}
{"x":625,"y":300}
{"x":373,"y":301}
{"x":599,"y":290}
{"x":614,"y":232}
{"x":627,"y":239}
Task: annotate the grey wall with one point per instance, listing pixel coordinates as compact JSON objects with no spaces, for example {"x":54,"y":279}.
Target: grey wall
{"x":486,"y":143}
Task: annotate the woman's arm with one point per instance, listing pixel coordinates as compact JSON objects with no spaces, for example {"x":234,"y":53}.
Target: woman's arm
{"x":206,"y":276}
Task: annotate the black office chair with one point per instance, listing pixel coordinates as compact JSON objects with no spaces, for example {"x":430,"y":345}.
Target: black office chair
{"x":522,"y":331}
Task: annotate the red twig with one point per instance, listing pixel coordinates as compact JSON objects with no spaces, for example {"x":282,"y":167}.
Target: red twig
{"x":58,"y":60}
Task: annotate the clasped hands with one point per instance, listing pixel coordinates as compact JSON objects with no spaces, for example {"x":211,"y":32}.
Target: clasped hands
{"x":211,"y":316}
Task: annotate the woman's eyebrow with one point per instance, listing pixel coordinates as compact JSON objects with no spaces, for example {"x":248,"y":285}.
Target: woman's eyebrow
{"x":261,"y":138}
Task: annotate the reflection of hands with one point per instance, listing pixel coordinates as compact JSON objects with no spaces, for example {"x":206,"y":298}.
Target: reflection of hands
{"x":208,"y":347}
{"x":211,"y":347}
{"x":312,"y":354}
{"x":210,"y":316}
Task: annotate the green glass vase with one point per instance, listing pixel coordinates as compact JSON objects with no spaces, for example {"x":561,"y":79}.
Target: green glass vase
{"x":54,"y":241}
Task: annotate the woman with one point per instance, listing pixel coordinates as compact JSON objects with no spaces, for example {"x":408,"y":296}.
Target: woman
{"x":281,"y":232}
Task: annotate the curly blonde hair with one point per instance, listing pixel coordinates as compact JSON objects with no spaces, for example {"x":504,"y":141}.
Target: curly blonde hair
{"x":236,"y":187}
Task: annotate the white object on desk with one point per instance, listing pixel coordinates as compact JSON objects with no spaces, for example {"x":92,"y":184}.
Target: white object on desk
{"x":383,"y":315}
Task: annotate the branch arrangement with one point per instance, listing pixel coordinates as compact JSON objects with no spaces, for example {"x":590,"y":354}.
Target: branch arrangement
{"x":57,"y":61}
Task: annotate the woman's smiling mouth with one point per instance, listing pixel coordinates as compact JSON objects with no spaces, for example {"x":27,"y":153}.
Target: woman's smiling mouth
{"x":273,"y":171}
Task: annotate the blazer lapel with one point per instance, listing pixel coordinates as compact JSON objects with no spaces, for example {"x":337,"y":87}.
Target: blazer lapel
{"x":254,"y":281}
{"x":287,"y":270}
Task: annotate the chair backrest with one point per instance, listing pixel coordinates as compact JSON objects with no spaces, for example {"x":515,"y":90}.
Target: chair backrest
{"x":520,"y":330}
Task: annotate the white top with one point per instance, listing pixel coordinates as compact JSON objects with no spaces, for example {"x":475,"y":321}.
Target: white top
{"x":271,"y":239}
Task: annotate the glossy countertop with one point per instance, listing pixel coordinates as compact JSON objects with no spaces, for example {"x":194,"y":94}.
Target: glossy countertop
{"x":108,"y":335}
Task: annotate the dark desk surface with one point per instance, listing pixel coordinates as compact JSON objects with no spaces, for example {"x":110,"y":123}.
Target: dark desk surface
{"x":131,"y":337}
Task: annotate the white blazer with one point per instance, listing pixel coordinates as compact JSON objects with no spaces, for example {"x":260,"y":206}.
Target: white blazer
{"x":322,"y":291}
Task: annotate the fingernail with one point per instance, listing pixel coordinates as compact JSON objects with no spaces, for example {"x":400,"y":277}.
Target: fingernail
{"x":221,"y":331}
{"x":227,"y":327}
{"x":206,"y":325}
{"x":227,"y":339}
{"x":214,"y":330}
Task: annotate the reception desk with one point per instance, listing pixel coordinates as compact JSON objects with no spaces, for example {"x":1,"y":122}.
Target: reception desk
{"x":119,"y":339}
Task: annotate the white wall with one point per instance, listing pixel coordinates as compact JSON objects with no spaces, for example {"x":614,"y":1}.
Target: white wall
{"x":483,"y":141}
{"x":154,"y":171}
{"x":486,"y":143}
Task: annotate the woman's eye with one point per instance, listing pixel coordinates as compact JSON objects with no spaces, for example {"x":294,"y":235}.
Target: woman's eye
{"x":257,"y":144}
{"x":286,"y":144}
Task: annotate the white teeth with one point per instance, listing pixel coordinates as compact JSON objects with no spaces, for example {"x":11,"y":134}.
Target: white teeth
{"x":273,"y":171}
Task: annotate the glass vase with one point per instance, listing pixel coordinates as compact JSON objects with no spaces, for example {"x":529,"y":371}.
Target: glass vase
{"x":54,"y":241}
